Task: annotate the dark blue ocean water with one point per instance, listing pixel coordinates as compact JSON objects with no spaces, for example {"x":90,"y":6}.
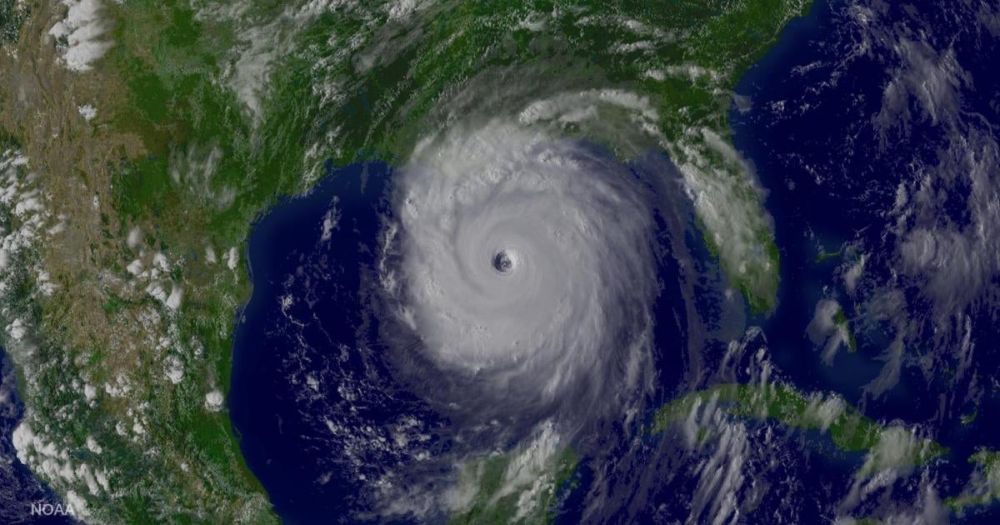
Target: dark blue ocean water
{"x":311,"y":321}
{"x":18,"y":486}
{"x":285,"y":437}
{"x":810,"y":132}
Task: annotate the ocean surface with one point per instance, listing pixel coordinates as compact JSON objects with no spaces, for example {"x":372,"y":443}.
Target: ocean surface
{"x":19,"y":488}
{"x":311,"y":386}
{"x":809,"y":125}
{"x":290,"y":256}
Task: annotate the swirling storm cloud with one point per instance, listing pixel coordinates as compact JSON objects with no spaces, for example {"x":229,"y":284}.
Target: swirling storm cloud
{"x":502,"y":296}
{"x":526,"y":265}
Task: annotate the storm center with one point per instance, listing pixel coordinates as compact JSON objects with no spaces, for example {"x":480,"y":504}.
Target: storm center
{"x":503,"y":262}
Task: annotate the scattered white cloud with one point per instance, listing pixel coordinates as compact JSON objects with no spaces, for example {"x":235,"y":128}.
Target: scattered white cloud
{"x":213,"y":400}
{"x":88,"y":112}
{"x":80,"y":36}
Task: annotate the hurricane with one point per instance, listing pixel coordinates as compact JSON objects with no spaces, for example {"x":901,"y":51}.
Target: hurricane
{"x":492,"y":312}
{"x":506,"y":293}
{"x":524,"y":263}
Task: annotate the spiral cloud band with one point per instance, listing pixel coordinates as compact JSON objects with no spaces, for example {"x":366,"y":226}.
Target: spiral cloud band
{"x":526,"y":261}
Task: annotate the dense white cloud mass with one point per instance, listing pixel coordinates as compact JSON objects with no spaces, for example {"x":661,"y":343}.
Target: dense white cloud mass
{"x":526,"y":262}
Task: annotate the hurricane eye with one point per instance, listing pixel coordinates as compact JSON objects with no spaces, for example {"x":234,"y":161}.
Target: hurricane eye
{"x":502,"y":262}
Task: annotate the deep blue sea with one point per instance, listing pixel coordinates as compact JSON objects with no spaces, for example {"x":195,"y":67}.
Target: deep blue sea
{"x":282,"y":433}
{"x":846,"y":206}
{"x":810,"y":133}
{"x":19,"y":488}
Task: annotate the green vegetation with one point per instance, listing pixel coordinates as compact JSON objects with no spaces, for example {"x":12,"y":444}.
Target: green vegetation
{"x":848,"y":429}
{"x":824,"y":255}
{"x":984,"y":488}
{"x":12,"y":15}
{"x":500,"y":500}
{"x":841,"y":322}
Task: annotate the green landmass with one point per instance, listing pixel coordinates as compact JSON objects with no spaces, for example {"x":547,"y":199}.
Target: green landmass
{"x":847,"y":428}
{"x":498,"y":500}
{"x":824,"y":255}
{"x":12,"y":15}
{"x":984,"y":489}
{"x":841,"y":321}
